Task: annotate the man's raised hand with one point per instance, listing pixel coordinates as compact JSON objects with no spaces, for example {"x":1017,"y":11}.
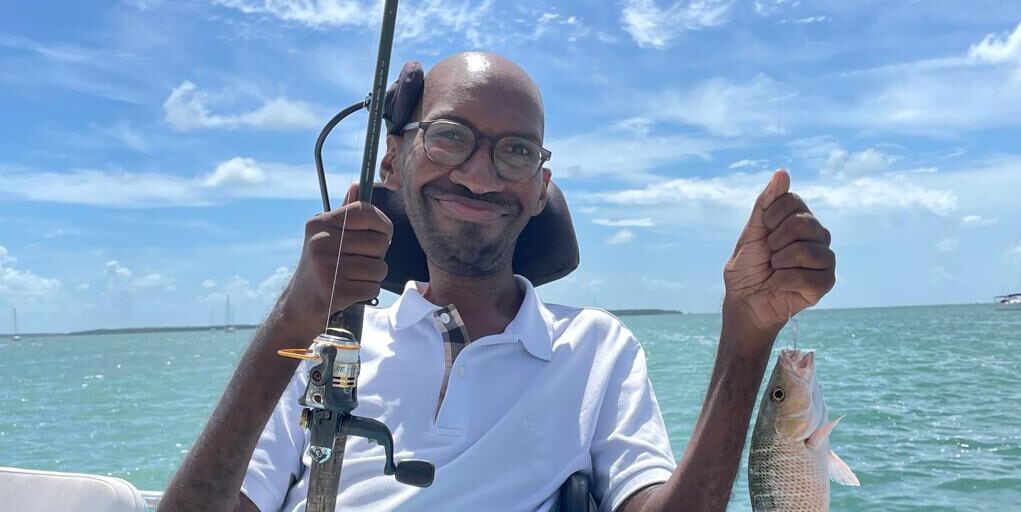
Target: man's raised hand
{"x":366,"y":238}
{"x":782,"y":263}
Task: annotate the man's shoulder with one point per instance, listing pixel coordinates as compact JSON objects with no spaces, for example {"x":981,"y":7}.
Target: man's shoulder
{"x":590,"y":322}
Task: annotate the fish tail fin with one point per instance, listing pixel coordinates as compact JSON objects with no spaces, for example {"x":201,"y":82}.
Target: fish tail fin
{"x":840,"y":472}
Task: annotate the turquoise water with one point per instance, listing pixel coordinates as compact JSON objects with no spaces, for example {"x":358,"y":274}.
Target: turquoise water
{"x":932,"y":398}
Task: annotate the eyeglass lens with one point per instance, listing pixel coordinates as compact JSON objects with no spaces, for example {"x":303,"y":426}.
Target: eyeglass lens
{"x":449,"y":143}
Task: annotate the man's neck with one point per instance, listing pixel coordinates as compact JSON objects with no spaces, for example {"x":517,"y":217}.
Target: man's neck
{"x":486,"y":304}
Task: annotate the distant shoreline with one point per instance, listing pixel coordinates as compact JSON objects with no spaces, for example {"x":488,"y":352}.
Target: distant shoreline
{"x":644,"y":312}
{"x":615,"y":312}
{"x":241,"y":327}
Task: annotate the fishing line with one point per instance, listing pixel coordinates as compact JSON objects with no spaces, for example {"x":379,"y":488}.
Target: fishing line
{"x":336,"y":268}
{"x":792,"y":320}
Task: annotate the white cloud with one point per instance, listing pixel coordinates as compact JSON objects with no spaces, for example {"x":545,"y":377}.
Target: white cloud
{"x":418,"y":20}
{"x":811,"y":19}
{"x":754,"y":164}
{"x":978,"y":220}
{"x":995,"y":50}
{"x":5,"y":256}
{"x":114,"y":268}
{"x":947,"y":244}
{"x":235,"y":178}
{"x":553,"y":23}
{"x":117,"y":189}
{"x":241,"y":290}
{"x":841,"y":163}
{"x":927,"y":96}
{"x":656,"y":27}
{"x":939,"y":274}
{"x":209,"y":283}
{"x":863,"y":196}
{"x":721,"y":107}
{"x":317,"y":14}
{"x":187,"y":108}
{"x":236,"y":171}
{"x":869,"y":195}
{"x":644,"y":222}
{"x":625,"y":156}
{"x":621,"y":237}
{"x":23,"y":285}
{"x":658,"y":283}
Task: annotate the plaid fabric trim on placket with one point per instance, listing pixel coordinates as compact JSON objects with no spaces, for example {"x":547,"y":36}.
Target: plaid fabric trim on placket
{"x":455,"y":338}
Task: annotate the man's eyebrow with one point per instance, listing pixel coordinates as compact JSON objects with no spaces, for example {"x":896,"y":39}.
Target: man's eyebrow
{"x":533,"y":136}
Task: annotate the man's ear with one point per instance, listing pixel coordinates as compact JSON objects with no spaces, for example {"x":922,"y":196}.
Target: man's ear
{"x":544,"y":193}
{"x":391,"y":167}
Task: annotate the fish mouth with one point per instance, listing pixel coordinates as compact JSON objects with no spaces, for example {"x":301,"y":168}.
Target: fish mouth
{"x":800,"y":364}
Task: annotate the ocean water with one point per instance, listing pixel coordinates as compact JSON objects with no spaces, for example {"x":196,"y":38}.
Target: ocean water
{"x":932,"y":398}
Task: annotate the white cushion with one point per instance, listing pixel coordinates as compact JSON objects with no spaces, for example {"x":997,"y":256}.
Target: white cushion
{"x":27,"y":490}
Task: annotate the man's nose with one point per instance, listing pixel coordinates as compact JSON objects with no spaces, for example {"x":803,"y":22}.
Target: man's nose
{"x":478,"y":173}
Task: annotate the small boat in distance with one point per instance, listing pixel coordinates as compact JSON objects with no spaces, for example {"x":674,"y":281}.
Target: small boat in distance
{"x":15,"y":336}
{"x":1009,"y":302}
{"x":228,"y":327}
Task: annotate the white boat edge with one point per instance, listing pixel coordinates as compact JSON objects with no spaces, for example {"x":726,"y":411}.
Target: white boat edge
{"x":1009,"y":302}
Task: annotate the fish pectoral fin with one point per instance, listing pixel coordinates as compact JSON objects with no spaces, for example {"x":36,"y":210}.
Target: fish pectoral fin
{"x":840,"y":472}
{"x":815,"y":440}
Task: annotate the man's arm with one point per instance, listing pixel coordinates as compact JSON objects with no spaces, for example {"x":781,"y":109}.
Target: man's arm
{"x":705,"y":475}
{"x":211,"y":475}
{"x":781,"y":265}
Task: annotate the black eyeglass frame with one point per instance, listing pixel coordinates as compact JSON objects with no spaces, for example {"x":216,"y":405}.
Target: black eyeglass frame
{"x":544,"y":154}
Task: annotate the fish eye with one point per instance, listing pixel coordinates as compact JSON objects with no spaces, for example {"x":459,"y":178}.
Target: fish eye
{"x":777,"y":395}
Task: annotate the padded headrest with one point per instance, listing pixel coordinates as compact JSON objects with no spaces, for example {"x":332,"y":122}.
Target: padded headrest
{"x":402,"y":97}
{"x":547,"y":249}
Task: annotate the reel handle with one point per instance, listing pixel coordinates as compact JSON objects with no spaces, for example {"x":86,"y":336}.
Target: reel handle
{"x":419,"y":473}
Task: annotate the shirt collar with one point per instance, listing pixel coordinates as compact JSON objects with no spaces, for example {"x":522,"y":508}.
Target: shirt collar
{"x":532,"y":326}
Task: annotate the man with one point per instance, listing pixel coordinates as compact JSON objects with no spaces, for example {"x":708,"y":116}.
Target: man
{"x":540,"y":391}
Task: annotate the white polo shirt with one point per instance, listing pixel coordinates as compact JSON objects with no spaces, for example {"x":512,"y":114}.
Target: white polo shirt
{"x":560,"y":390}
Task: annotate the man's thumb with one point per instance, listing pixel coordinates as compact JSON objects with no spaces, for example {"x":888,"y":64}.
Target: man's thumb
{"x":352,"y":194}
{"x":778,"y":185}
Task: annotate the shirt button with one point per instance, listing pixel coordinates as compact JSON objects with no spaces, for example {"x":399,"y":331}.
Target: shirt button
{"x":445,"y":318}
{"x":461,"y":371}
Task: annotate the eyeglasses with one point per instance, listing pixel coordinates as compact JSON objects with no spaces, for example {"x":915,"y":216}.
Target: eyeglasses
{"x":451,"y":144}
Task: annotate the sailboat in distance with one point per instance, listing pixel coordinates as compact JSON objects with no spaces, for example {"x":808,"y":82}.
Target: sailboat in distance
{"x":227,"y":319}
{"x":15,"y":336}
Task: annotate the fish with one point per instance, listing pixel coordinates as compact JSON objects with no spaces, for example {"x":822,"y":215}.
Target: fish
{"x":790,"y":463}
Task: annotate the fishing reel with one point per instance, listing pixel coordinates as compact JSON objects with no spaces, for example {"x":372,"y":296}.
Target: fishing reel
{"x":331,"y":395}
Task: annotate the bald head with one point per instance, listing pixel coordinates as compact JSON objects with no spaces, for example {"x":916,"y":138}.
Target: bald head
{"x":492,"y":83}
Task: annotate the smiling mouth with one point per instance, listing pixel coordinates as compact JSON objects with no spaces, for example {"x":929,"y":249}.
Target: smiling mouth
{"x":469,"y":209}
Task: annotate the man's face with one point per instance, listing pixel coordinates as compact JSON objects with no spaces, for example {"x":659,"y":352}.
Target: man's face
{"x":467,"y":218}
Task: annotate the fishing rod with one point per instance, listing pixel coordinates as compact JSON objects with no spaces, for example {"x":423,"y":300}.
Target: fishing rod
{"x":332,"y":390}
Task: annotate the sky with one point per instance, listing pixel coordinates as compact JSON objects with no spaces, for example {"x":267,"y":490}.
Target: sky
{"x":156,"y":156}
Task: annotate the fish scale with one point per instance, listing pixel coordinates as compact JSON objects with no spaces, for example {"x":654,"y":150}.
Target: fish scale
{"x":785,"y":477}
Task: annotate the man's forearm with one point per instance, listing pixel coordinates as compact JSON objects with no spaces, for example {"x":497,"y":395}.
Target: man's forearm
{"x":211,"y":475}
{"x":705,"y":475}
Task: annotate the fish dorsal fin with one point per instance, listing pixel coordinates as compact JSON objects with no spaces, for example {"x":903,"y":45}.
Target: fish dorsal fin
{"x":817,"y":438}
{"x":840,"y":473}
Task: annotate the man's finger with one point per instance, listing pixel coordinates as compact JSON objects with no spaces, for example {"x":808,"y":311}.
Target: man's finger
{"x":809,"y":283}
{"x":360,"y":217}
{"x":778,"y":185}
{"x":807,"y":255}
{"x":799,"y":226}
{"x":782,"y":208}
